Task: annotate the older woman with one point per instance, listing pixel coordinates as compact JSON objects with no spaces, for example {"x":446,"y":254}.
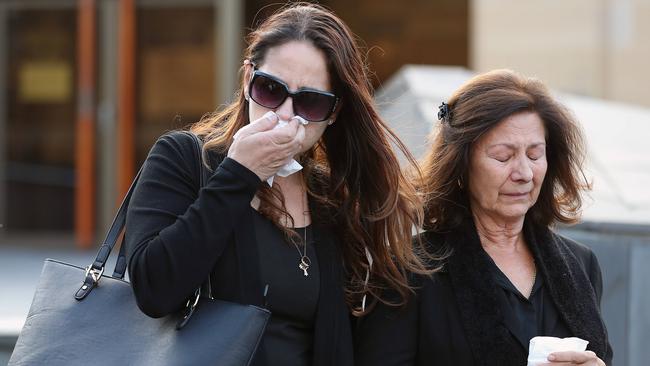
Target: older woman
{"x":504,"y":166}
{"x":309,"y":235}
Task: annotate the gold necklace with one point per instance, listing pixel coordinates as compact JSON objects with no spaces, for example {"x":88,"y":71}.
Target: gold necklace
{"x":305,"y":262}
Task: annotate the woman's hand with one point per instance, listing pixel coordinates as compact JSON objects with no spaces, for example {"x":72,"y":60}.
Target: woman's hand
{"x":569,"y":358}
{"x":263,"y":149}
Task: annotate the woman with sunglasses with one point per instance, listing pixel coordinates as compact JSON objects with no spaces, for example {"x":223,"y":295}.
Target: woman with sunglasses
{"x":319,"y":238}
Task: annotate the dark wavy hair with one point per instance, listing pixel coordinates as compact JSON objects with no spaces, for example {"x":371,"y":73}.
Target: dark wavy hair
{"x":475,"y":108}
{"x":352,"y":170}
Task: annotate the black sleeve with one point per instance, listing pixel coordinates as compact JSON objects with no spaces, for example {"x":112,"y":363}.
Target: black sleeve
{"x":595,"y":276}
{"x":388,"y":335}
{"x":174,"y":234}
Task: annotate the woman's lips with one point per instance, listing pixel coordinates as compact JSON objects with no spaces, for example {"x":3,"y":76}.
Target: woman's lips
{"x":515,"y":194}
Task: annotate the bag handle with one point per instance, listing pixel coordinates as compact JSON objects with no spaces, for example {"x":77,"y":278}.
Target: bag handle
{"x":96,"y":269}
{"x":206,"y":288}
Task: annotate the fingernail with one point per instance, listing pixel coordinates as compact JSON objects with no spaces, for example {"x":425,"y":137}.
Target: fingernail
{"x":270,"y":115}
{"x":551,"y":357}
{"x":301,"y":120}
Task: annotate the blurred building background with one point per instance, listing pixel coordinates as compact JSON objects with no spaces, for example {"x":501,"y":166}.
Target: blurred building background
{"x":86,"y":86}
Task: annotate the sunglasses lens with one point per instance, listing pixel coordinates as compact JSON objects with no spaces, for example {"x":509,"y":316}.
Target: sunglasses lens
{"x":267,"y":92}
{"x":313,"y":106}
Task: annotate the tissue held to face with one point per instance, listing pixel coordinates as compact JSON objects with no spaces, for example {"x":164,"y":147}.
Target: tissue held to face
{"x":299,"y":65}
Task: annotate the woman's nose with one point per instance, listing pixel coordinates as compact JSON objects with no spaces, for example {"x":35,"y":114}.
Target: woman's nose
{"x":522,"y":170}
{"x":285,"y":110}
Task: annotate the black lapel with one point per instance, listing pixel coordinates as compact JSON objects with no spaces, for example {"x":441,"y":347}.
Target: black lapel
{"x":332,"y":335}
{"x":568,"y":286}
{"x":476,"y":295}
{"x":326,"y":324}
{"x":511,"y":322}
{"x":252,"y":291}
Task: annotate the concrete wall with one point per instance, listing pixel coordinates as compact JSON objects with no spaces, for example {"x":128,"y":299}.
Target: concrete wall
{"x":624,"y":256}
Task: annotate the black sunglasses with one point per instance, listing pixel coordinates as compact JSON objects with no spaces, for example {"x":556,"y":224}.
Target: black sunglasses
{"x":310,"y":104}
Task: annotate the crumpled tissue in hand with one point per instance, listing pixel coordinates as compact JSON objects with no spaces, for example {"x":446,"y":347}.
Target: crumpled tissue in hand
{"x":292,"y":166}
{"x":541,"y":347}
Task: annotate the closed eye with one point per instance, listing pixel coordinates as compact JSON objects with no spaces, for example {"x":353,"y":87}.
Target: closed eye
{"x":502,"y":158}
{"x":536,"y":153}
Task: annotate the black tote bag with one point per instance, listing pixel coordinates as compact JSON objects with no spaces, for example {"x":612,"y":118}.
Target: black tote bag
{"x":79,"y":316}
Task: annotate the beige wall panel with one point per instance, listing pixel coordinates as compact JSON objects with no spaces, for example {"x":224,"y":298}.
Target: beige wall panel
{"x":595,"y":48}
{"x":629,"y":76}
{"x":558,"y":41}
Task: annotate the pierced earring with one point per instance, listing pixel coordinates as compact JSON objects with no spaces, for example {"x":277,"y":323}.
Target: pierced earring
{"x":460,"y":183}
{"x":330,"y":122}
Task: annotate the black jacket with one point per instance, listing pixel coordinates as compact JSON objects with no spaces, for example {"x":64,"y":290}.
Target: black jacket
{"x":176,"y":236}
{"x":455,"y":317}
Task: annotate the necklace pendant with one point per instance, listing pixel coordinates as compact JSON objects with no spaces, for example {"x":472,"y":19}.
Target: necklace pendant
{"x":304,"y":266}
{"x":305,"y":263}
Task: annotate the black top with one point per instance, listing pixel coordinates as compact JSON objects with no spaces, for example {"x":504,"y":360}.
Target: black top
{"x":292,"y":296}
{"x":463,"y":316}
{"x":177,"y":236}
{"x":528,"y":317}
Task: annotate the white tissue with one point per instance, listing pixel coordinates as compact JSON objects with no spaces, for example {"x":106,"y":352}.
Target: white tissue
{"x":292,"y":166}
{"x":541,"y":347}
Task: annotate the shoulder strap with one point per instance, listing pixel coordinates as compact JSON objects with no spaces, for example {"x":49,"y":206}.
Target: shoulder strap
{"x":206,"y":288}
{"x":120,"y":265}
{"x":198,"y":149}
{"x":96,"y":269}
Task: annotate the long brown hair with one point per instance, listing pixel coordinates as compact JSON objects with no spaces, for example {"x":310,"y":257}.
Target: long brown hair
{"x":478,"y":106}
{"x":352,"y":171}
